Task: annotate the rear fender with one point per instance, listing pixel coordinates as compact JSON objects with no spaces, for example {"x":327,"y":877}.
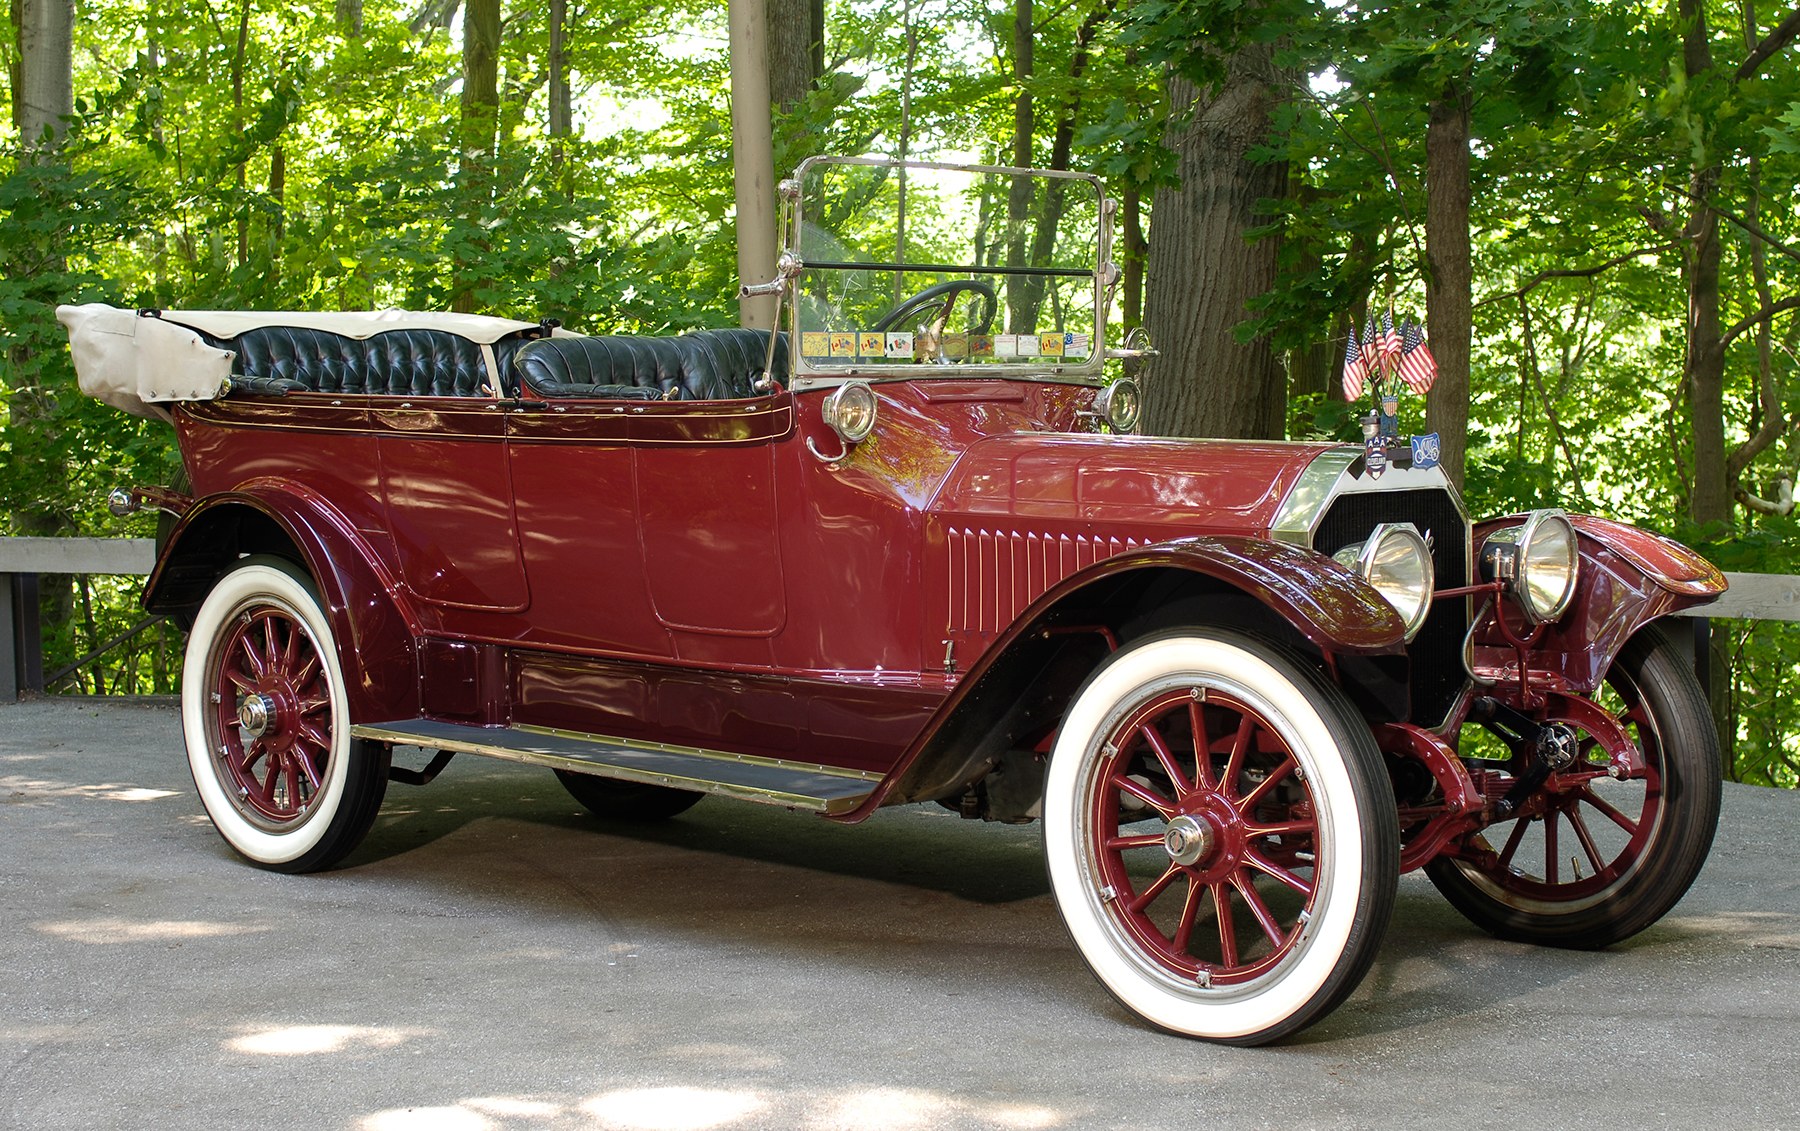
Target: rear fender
{"x":1629,"y":577}
{"x":1023,"y":680}
{"x":376,"y":629}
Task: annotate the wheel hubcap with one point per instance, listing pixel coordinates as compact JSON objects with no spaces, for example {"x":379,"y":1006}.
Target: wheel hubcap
{"x":255,"y":714}
{"x":1189,"y":840}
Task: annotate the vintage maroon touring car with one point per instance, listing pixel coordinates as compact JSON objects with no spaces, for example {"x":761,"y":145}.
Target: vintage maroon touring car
{"x":907,"y":550}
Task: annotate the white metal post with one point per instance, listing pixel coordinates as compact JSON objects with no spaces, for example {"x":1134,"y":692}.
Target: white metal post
{"x":752,"y":157}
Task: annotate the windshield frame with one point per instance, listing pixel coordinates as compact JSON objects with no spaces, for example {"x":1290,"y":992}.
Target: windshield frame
{"x":804,"y":374}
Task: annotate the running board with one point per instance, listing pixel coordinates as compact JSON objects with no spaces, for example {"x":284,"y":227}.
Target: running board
{"x":772,"y":781}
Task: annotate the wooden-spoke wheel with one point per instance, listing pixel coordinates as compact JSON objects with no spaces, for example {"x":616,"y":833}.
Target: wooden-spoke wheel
{"x":1590,"y":860}
{"x":268,"y":731}
{"x":1221,"y":836}
{"x":1205,"y":835}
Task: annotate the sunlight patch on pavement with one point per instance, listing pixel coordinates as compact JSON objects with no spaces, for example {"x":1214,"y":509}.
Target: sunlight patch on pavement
{"x":904,"y":1109}
{"x":101,"y":932}
{"x":514,"y":1107}
{"x":884,"y":1109}
{"x":689,"y":1108}
{"x":313,"y":1040}
{"x":457,"y":1118}
{"x":1027,"y":1117}
{"x":672,"y":1109}
{"x":13,"y":785}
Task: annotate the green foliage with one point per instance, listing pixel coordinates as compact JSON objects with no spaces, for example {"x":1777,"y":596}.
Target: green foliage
{"x":328,"y":175}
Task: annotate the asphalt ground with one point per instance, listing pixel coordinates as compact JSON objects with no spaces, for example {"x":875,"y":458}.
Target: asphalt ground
{"x":492,"y":957}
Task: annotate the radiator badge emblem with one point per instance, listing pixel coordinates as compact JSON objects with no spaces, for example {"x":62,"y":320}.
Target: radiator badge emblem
{"x":1376,"y":457}
{"x":1425,"y":451}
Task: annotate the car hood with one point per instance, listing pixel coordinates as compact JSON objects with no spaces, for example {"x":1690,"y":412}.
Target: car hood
{"x":1211,"y":486}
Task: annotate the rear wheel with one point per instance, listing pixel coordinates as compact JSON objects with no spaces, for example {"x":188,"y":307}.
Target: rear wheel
{"x":617,"y":800}
{"x":1590,"y":861}
{"x":1221,"y":836}
{"x":267,"y":723}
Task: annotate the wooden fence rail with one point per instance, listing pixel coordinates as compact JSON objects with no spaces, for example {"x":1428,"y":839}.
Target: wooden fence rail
{"x":22,"y":560}
{"x":1753,"y":596}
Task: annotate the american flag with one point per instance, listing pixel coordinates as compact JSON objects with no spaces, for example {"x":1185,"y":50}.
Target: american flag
{"x":1390,"y":341}
{"x":1371,"y":349}
{"x":1417,"y":367}
{"x":1355,"y":368}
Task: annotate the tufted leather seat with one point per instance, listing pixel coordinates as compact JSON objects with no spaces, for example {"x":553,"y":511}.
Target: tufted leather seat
{"x":703,"y":365}
{"x":419,"y":363}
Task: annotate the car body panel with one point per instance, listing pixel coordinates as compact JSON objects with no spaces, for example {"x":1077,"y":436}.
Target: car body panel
{"x":1629,"y":578}
{"x":377,"y":625}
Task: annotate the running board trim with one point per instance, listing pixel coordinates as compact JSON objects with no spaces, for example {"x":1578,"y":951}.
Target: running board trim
{"x":770,"y":781}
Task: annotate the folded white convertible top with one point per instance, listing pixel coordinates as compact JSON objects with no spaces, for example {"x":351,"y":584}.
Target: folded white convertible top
{"x":478,"y":328}
{"x":136,"y":362}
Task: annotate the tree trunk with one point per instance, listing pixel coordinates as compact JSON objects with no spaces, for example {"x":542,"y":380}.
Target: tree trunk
{"x":1019,"y":193}
{"x":1131,"y":305}
{"x":1704,"y":369}
{"x":475,"y":134}
{"x":1203,"y":270}
{"x":43,"y":100}
{"x":901,"y":282}
{"x":562,"y":116}
{"x":349,"y":17}
{"x":1449,"y":279}
{"x":43,"y":90}
{"x":1312,"y":366}
{"x":1131,"y":261}
{"x":796,"y":35}
{"x":278,"y":210}
{"x":1050,"y":211}
{"x":238,"y":60}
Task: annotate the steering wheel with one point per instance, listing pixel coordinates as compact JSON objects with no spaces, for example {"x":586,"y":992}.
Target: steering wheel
{"x":941,"y":301}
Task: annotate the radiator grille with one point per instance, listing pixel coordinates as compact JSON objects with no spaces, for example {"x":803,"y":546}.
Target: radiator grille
{"x":1436,"y":653}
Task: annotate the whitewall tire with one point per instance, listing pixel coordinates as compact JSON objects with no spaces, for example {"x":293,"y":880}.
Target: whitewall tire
{"x":264,"y":712}
{"x":1221,"y":835}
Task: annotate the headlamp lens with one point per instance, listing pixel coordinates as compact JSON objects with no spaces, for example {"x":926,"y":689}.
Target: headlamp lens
{"x":1539,"y":560}
{"x":1397,"y":562}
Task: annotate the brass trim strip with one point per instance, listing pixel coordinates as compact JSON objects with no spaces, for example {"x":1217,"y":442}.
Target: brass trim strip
{"x":785,"y":799}
{"x":700,"y":752}
{"x":1306,"y":502}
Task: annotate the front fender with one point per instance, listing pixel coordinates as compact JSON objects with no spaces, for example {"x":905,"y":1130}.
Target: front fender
{"x":1326,"y":602}
{"x":1629,"y":577}
{"x":1329,"y":605}
{"x":375,"y":627}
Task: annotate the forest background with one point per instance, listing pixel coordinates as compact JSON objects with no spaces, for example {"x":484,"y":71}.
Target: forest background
{"x":1592,"y":203}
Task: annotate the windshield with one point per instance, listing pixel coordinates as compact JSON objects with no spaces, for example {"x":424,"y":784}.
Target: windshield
{"x":915,"y":270}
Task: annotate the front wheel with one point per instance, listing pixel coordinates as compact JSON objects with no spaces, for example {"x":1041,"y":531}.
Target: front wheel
{"x":267,"y":723}
{"x":1221,"y":836}
{"x":1590,"y":861}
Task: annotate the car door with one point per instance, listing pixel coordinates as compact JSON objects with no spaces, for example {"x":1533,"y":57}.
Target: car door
{"x":652,"y":527}
{"x":448,"y":494}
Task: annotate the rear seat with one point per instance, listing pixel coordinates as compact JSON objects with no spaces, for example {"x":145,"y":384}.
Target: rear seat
{"x":703,"y":365}
{"x":419,"y":363}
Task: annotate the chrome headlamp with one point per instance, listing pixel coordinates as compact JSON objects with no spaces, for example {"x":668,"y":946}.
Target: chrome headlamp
{"x":1118,"y":404}
{"x":850,"y":411}
{"x":1538,"y":560}
{"x":1396,"y":560}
